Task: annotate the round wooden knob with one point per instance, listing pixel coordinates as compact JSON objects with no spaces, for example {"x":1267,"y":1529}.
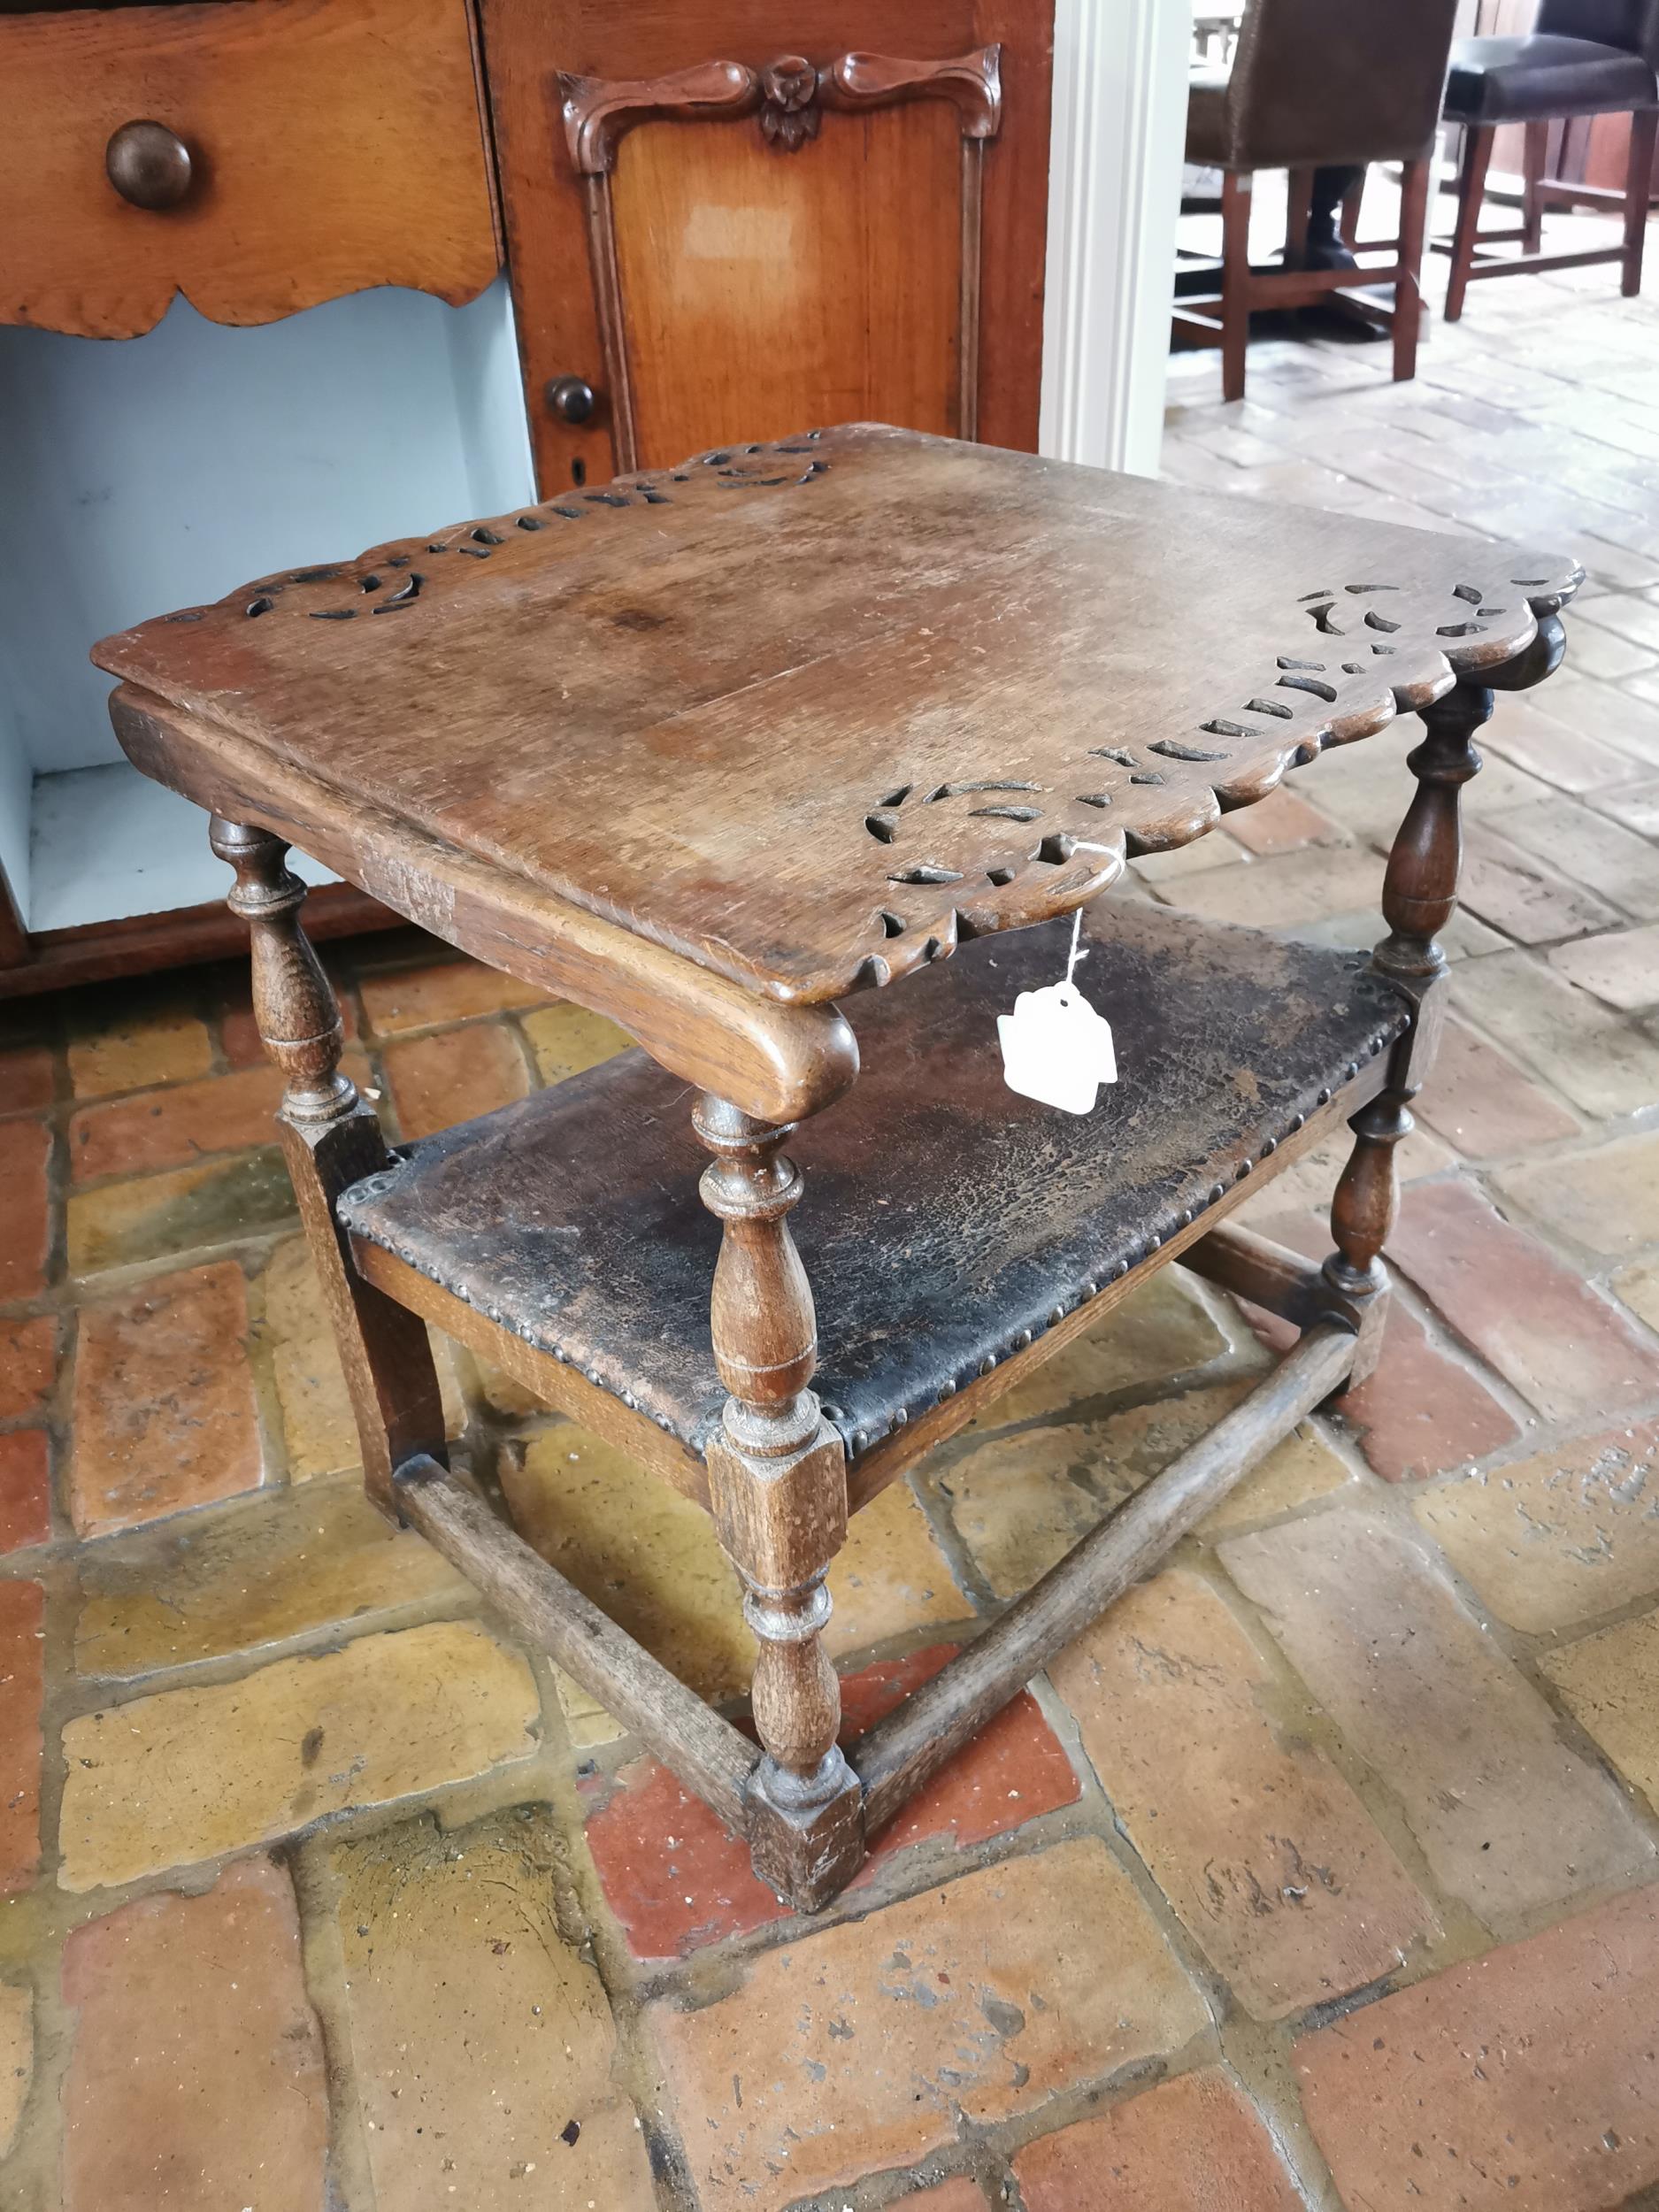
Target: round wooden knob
{"x":149,"y":166}
{"x":570,"y":396}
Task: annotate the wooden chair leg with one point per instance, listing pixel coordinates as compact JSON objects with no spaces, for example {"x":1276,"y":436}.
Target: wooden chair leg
{"x":331,"y":1140}
{"x":1235,"y":279}
{"x":1353,"y":201}
{"x":1537,"y":161}
{"x":1414,"y":215}
{"x":778,"y":1485}
{"x":1638,"y":182}
{"x":1420,"y":896}
{"x":1472,"y":192}
{"x":1298,"y":214}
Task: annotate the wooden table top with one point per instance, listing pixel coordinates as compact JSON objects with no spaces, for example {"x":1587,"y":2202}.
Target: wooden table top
{"x":805,"y":712}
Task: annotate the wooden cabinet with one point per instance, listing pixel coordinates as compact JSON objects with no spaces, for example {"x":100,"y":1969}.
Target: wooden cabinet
{"x":257,"y":157}
{"x":725,"y":219}
{"x":731,"y":220}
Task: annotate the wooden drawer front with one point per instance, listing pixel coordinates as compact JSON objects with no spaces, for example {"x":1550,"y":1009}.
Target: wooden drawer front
{"x":332,"y":144}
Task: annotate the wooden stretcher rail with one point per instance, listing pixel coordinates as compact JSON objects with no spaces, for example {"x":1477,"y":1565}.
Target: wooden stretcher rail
{"x":554,"y":1615}
{"x":898,"y":1756}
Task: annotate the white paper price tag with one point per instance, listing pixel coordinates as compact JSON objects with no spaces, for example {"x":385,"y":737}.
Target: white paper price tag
{"x":1055,"y":1047}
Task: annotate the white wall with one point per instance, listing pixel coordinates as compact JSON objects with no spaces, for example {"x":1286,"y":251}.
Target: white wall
{"x":1120,"y":80}
{"x":154,"y":472}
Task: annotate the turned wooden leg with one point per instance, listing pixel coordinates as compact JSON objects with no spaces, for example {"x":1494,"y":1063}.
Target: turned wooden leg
{"x":1298,"y":212}
{"x":1235,"y":279}
{"x":331,"y":1140}
{"x":777,"y":1484}
{"x":1639,"y":182}
{"x":1472,"y":192}
{"x":1414,"y":215}
{"x":1419,"y":895}
{"x":1536,"y":160}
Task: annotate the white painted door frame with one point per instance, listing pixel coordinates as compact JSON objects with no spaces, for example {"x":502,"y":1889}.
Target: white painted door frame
{"x":1120,"y":80}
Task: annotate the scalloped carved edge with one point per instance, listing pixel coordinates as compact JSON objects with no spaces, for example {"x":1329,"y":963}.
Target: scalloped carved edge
{"x":598,"y":111}
{"x":1393,"y":649}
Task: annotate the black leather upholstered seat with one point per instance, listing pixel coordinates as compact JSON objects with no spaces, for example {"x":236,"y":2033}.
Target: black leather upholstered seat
{"x":1516,"y":79}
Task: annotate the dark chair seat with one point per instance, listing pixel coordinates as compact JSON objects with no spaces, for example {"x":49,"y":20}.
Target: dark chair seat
{"x":1517,"y":79}
{"x":945,"y":1221}
{"x":1206,"y":119}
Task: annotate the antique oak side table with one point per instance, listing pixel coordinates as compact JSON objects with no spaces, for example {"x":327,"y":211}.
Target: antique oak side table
{"x":710,"y":750}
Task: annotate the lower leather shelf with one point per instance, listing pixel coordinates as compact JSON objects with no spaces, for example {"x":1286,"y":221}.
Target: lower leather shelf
{"x":945,"y":1221}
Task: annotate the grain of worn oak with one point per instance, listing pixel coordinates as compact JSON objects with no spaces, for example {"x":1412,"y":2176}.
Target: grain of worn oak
{"x":712,"y":748}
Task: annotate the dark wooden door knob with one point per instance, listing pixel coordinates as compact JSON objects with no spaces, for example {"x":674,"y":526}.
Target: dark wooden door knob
{"x":149,"y":166}
{"x":571,"y":397}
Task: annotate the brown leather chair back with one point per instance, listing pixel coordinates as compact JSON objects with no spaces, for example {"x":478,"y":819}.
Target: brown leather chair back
{"x":1339,"y":80}
{"x":1630,"y":25}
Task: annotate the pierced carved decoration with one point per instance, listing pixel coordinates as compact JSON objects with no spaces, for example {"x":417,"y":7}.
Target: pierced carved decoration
{"x":962,"y":859}
{"x":914,"y":705}
{"x":392,"y":579}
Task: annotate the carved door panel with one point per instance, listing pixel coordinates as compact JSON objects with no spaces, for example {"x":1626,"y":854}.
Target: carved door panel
{"x":732,"y":220}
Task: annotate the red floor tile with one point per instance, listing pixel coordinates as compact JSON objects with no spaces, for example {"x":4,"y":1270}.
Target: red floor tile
{"x":678,"y":1880}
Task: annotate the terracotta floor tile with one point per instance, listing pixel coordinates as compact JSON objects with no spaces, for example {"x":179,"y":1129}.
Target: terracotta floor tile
{"x":16,"y":2059}
{"x":1195,"y":2145}
{"x":856,"y":2049}
{"x":163,"y":1402}
{"x":1611,"y":1683}
{"x":1528,"y":2078}
{"x":1259,"y":1844}
{"x":196,"y":2073}
{"x":441,"y":991}
{"x":1591,"y":1053}
{"x":191,"y":1774}
{"x":28,"y":1361}
{"x":1424,"y":1411}
{"x":567,"y":1039}
{"x":1281,"y":823}
{"x":1163,"y":1330}
{"x":1522,"y":895}
{"x":1019,"y":1501}
{"x":1558,"y":1537}
{"x":185,"y":1209}
{"x":174,"y":1126}
{"x":482,"y":2039}
{"x":678,"y":1881}
{"x":1509,"y":1817}
{"x":1557,"y":1341}
{"x":1607,"y":1200}
{"x":25,"y":1489}
{"x":1586,"y":848}
{"x":1637,"y":1287}
{"x":651,"y":1557}
{"x":28,"y":1079}
{"x":25,"y":1218}
{"x":124,"y":1037}
{"x":250,"y":1575}
{"x":1621,"y":968}
{"x":183,"y":1122}
{"x":452,"y":1076}
{"x":22,"y":1689}
{"x":1480,"y":1100}
{"x":944,"y":2196}
{"x":319,"y":1427}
